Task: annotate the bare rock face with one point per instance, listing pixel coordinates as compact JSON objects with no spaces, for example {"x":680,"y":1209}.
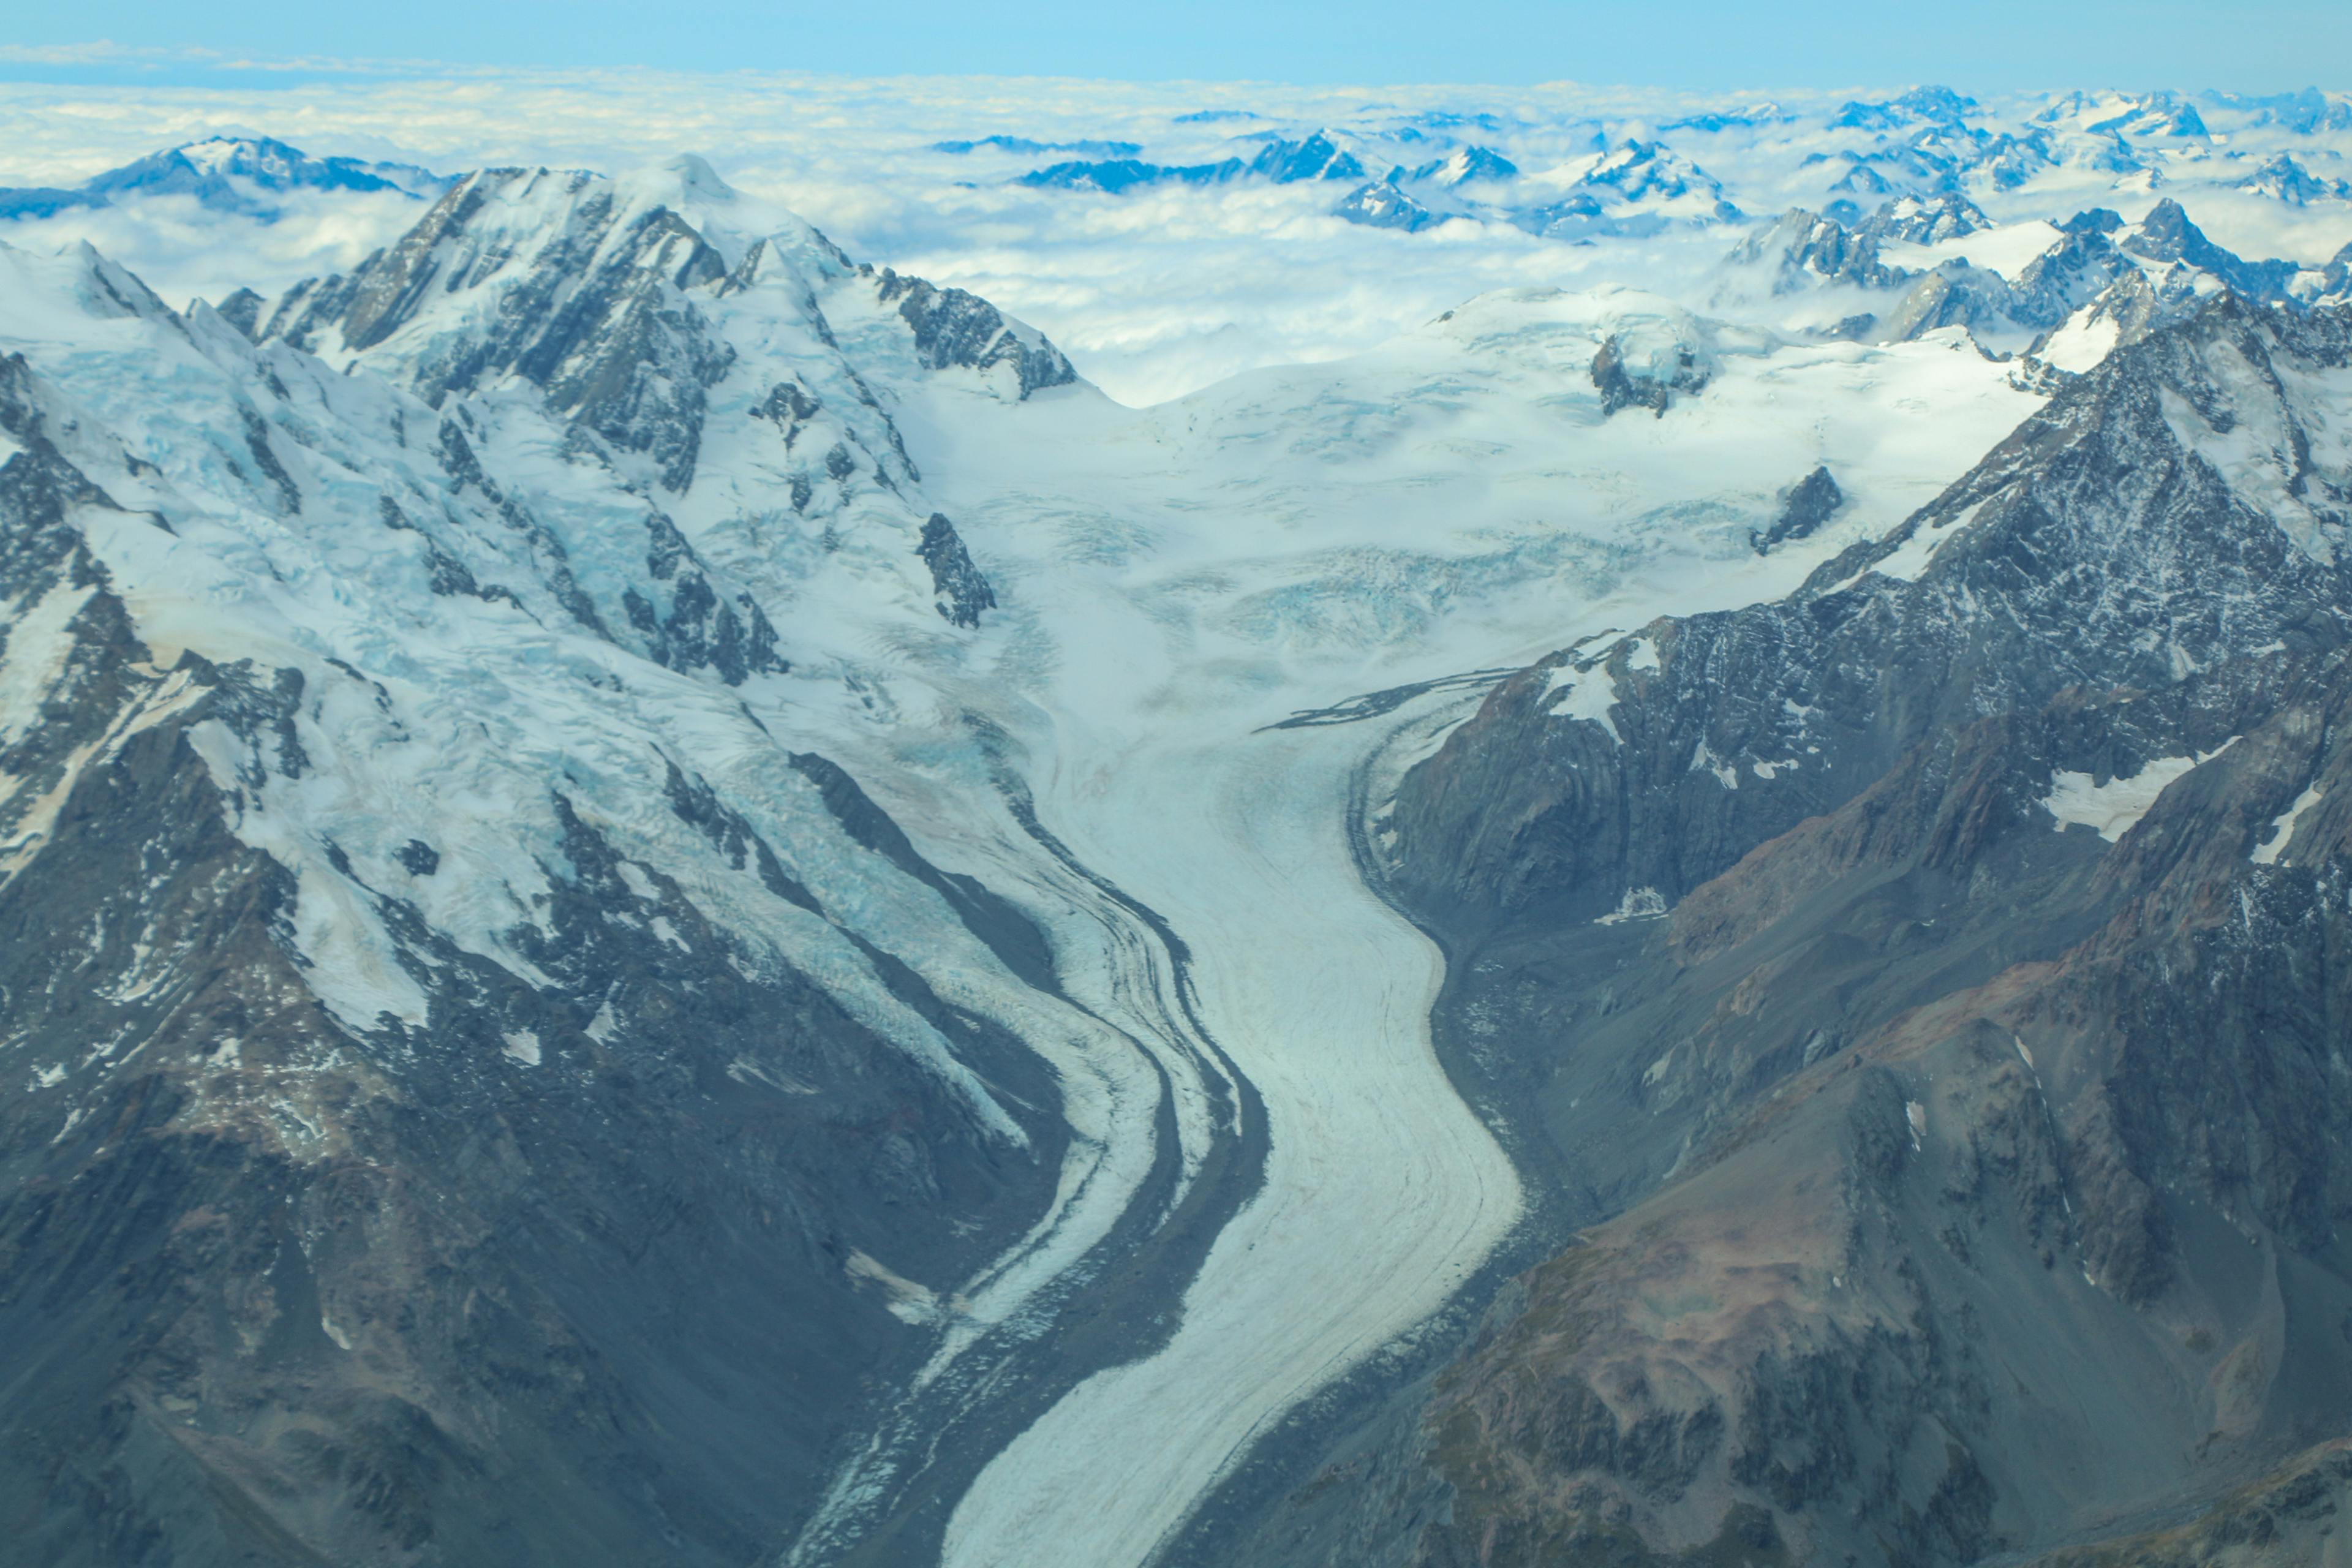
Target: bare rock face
{"x":1810,"y":503}
{"x":954,"y":329}
{"x":2287,"y":1516}
{"x":963,"y":591}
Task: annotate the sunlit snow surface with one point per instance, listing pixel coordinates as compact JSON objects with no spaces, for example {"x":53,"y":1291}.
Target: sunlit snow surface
{"x":1173,"y":580}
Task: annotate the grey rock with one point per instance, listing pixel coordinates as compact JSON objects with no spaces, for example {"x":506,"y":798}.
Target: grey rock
{"x":1928,"y":220}
{"x":963,"y":593}
{"x":1116,"y":175}
{"x":227,"y":175}
{"x":577,"y":1258}
{"x":44,"y":200}
{"x":954,"y":329}
{"x":1318,"y":157}
{"x":2166,"y":234}
{"x":2281,"y":178}
{"x":242,"y":309}
{"x":1848,"y":929}
{"x":1804,"y":507}
{"x":1804,"y":247}
{"x":1472,"y":165}
{"x":1932,"y":105}
{"x":1023,"y":144}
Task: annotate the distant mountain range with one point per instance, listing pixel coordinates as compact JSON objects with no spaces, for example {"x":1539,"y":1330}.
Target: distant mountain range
{"x":244,"y":175}
{"x":1928,"y":142}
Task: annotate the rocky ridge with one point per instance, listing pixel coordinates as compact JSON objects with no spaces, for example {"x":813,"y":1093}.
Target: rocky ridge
{"x":1916,"y":990}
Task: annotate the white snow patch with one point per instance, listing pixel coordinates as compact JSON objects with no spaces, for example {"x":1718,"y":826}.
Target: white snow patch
{"x":604,"y":1026}
{"x":639,"y":883}
{"x":2083,"y":340}
{"x":1916,"y":1115}
{"x":2281,"y":831}
{"x":2006,"y":248}
{"x":1638,"y":904}
{"x":1911,"y":558}
{"x":522,"y":1046}
{"x":743,"y":1069}
{"x":2257,"y":456}
{"x":2115,"y":807}
{"x":1725,"y":774}
{"x":38,"y":641}
{"x":1588,"y":695}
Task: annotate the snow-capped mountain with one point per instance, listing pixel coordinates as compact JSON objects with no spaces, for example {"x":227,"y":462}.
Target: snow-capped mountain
{"x":1638,"y":187}
{"x":2283,"y":180}
{"x":611,"y":640}
{"x":2052,"y":292}
{"x":1634,"y":178}
{"x":245,"y":175}
{"x":1470,"y":166}
{"x":1316,"y":156}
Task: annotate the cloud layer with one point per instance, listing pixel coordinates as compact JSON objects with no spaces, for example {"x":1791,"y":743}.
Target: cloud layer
{"x":1152,"y":293}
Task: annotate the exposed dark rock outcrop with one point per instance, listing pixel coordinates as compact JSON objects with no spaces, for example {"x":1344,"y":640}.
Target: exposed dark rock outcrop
{"x":1381,"y":205}
{"x":1810,"y":503}
{"x":595,"y":316}
{"x":963,"y":593}
{"x":952,"y":327}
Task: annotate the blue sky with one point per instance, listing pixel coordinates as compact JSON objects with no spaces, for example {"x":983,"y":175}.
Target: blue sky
{"x":1707,"y":44}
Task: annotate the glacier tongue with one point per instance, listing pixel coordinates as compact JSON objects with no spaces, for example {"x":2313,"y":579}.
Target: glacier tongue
{"x":1382,"y":1191}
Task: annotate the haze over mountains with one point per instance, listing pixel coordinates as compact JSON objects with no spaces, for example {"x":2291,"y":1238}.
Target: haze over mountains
{"x":670,"y":896}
